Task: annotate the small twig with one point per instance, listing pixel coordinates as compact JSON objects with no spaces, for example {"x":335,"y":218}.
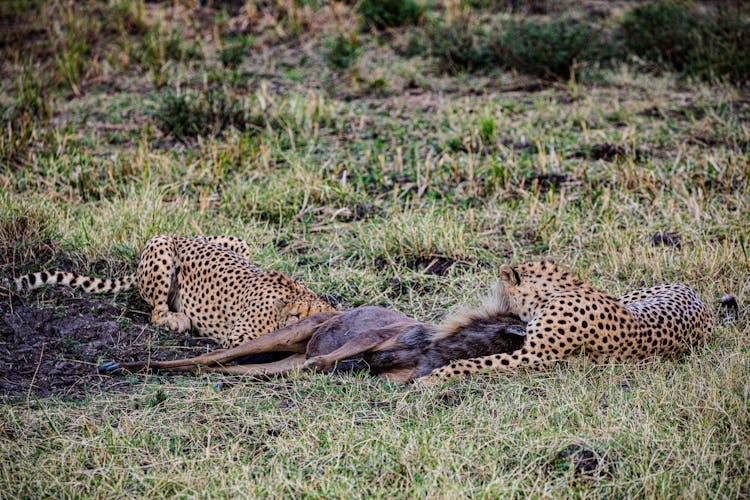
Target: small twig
{"x":39,"y":363}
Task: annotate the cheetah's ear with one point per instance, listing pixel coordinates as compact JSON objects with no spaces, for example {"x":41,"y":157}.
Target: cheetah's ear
{"x":509,"y":275}
{"x":549,"y":260}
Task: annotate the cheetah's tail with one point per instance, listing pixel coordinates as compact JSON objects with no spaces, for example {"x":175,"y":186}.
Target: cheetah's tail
{"x":92,"y":285}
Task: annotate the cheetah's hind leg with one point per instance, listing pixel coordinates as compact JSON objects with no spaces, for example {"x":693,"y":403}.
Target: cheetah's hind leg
{"x":157,"y":282}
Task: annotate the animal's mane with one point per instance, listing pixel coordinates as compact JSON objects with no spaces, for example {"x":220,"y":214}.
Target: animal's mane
{"x":490,"y":306}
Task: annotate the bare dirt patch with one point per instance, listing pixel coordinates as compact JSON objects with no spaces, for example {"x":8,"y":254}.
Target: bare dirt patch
{"x":545,"y":182}
{"x":52,"y":342}
{"x":667,"y":239}
{"x":583,"y":462}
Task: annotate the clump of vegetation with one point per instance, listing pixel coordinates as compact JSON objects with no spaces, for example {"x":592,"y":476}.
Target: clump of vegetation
{"x":32,"y":96}
{"x":157,"y":47}
{"x":551,"y":49}
{"x":703,"y":43}
{"x":458,"y":46}
{"x":73,"y":36}
{"x":16,"y":140}
{"x":548,"y":49}
{"x":26,"y":234}
{"x":390,"y":13}
{"x":129,"y":16}
{"x":232,"y":54}
{"x":660,"y":32}
{"x":520,"y":6}
{"x":189,"y":114}
{"x":487,"y":129}
{"x":20,"y":122}
{"x":342,"y":50}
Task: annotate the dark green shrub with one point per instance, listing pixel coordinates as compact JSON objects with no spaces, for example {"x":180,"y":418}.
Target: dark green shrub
{"x":390,"y":13}
{"x":725,"y":52}
{"x":188,"y":114}
{"x":341,"y":51}
{"x":176,"y":115}
{"x":457,"y":46}
{"x":521,"y":6}
{"x":707,"y":43}
{"x":550,"y":49}
{"x":662,"y":32}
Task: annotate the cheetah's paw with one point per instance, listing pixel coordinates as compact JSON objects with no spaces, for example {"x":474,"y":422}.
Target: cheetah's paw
{"x":177,"y":322}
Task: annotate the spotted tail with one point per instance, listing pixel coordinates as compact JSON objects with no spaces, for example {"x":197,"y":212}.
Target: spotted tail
{"x":92,"y":285}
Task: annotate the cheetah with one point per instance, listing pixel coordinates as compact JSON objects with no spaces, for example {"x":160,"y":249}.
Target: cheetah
{"x":204,"y":282}
{"x":565,"y":316}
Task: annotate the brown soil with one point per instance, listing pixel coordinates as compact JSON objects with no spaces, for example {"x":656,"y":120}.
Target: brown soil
{"x":52,"y":342}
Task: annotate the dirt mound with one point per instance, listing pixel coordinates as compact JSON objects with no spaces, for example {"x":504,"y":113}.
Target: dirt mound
{"x":52,"y":342}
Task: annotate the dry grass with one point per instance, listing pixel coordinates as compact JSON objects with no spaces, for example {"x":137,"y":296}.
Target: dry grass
{"x":354,"y":182}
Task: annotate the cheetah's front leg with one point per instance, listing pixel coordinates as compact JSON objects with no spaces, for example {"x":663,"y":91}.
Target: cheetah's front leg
{"x":157,"y":276}
{"x":538,"y":350}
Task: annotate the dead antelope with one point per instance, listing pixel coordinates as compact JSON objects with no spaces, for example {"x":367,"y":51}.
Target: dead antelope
{"x":389,"y":344}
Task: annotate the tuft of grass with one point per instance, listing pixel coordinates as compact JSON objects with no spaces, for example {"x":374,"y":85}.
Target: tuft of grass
{"x":487,"y":129}
{"x":157,"y":49}
{"x":74,"y":37}
{"x":232,"y":53}
{"x":185,"y":114}
{"x":130,"y":16}
{"x":33,"y":99}
{"x":342,"y":50}
{"x":27,"y":234}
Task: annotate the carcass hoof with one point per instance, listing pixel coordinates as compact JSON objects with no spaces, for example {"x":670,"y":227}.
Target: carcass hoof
{"x":109,"y":368}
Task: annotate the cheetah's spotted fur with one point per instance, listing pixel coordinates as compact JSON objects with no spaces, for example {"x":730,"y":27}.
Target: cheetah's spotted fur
{"x":204,"y":282}
{"x":566,"y":316}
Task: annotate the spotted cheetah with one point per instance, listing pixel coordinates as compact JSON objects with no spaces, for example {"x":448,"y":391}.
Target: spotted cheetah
{"x":566,"y":316}
{"x":204,"y":282}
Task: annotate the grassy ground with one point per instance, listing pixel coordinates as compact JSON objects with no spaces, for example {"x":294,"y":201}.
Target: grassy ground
{"x":386,"y":182}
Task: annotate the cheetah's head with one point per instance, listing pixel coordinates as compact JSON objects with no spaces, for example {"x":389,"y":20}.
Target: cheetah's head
{"x":525,"y":288}
{"x":293,"y":311}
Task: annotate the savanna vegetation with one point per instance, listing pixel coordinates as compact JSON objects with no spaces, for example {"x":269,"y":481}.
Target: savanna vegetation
{"x":387,"y":153}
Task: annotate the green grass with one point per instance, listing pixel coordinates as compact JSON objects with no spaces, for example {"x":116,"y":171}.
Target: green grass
{"x":347,"y":181}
